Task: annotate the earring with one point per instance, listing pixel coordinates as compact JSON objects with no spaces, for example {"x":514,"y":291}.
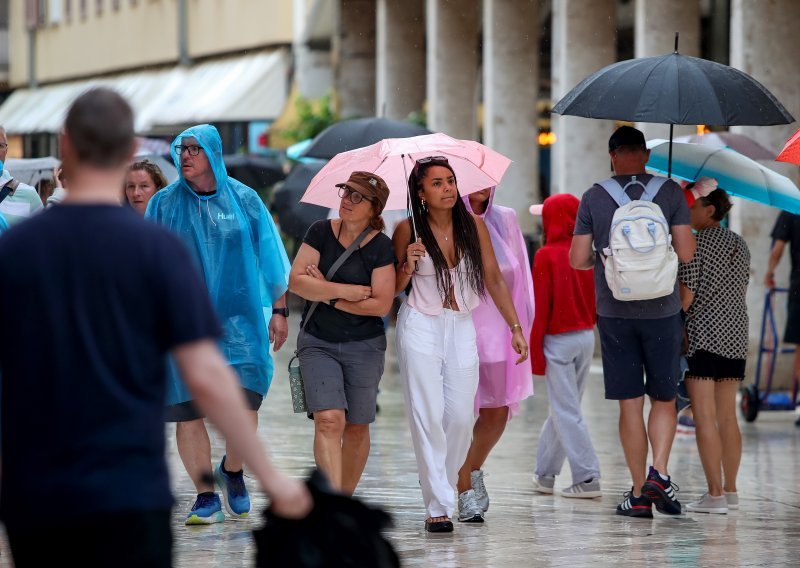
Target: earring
{"x":424,"y":207}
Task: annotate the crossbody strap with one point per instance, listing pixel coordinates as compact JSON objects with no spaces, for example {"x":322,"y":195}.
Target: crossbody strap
{"x":8,"y":189}
{"x":336,"y":265}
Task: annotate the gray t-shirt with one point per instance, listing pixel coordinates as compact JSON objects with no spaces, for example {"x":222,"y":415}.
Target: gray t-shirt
{"x":594,"y":218}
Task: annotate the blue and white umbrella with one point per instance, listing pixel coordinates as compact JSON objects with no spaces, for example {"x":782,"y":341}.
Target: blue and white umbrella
{"x":737,"y":174}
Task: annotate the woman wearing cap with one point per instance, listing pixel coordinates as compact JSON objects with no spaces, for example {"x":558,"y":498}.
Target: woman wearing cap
{"x":450,"y":265}
{"x":342,"y":347}
{"x":713,"y":293}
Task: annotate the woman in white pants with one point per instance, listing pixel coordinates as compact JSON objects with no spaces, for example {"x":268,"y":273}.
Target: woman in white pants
{"x":450,"y":265}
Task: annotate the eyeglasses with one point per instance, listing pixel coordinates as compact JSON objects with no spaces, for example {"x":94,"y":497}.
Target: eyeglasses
{"x":3,"y":146}
{"x":354,"y":196}
{"x":193,"y":149}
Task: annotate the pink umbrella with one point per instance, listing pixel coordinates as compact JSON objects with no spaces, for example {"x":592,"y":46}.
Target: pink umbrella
{"x":476,"y":167}
{"x":791,"y":151}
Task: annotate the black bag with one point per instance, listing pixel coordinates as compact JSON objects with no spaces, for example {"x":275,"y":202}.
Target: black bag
{"x":340,"y":532}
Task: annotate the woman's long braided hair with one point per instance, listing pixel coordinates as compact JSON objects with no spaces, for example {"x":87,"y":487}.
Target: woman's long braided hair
{"x":465,"y":235}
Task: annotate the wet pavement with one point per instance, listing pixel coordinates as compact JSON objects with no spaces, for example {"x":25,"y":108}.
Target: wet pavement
{"x":523,"y":528}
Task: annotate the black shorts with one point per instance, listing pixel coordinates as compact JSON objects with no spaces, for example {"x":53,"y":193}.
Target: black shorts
{"x":634,"y":347}
{"x":707,"y":365}
{"x":123,"y":539}
{"x":792,"y":332}
{"x":187,"y":411}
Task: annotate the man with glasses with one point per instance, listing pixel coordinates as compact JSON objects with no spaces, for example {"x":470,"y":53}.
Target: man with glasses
{"x":235,"y":244}
{"x":22,"y":200}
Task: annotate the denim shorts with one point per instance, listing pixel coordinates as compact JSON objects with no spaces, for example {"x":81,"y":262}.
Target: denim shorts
{"x":342,"y":375}
{"x":633,"y":348}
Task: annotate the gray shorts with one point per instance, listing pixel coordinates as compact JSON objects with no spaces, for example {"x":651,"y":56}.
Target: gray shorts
{"x":342,"y":375}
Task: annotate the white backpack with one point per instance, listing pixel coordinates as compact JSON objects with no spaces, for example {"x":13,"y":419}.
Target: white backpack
{"x":640,"y":263}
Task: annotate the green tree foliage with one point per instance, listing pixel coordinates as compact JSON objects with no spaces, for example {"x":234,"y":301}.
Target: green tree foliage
{"x":314,"y":116}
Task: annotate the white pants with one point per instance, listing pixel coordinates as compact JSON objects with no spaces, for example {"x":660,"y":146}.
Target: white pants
{"x":438,"y":359}
{"x":564,"y":433}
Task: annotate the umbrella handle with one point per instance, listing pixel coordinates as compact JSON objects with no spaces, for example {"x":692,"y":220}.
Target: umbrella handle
{"x":408,"y":199}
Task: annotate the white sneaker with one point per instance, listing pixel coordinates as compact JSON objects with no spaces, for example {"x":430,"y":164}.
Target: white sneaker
{"x":583,"y":490}
{"x":733,"y":500}
{"x":544,"y":484}
{"x":481,"y":496}
{"x":468,"y":510}
{"x":709,"y":504}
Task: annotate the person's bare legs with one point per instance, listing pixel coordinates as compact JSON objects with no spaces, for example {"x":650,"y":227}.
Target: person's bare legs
{"x":328,"y":432}
{"x":355,"y":451}
{"x":661,"y":426}
{"x":633,"y":437}
{"x":486,"y":433}
{"x":730,"y":436}
{"x":194,"y":447}
{"x":709,"y":444}
{"x":232,"y":460}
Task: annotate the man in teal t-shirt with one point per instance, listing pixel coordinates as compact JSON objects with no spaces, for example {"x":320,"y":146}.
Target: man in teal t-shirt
{"x":24,"y":201}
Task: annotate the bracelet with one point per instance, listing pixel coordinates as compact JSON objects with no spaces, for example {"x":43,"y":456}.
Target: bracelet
{"x":404,"y":270}
{"x":515,"y":326}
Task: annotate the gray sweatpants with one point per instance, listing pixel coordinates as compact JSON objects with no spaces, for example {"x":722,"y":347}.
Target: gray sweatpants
{"x":564,"y":433}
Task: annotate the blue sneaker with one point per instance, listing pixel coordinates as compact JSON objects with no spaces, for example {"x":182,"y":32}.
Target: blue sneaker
{"x":237,"y":500}
{"x":206,"y":510}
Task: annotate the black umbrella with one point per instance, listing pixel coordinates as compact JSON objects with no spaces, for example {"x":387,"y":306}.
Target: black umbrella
{"x":340,"y":532}
{"x":294,"y":217}
{"x":254,"y":171}
{"x":357,"y":133}
{"x":674,"y":89}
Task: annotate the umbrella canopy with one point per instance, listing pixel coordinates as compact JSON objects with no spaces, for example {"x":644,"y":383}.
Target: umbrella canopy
{"x":674,"y":89}
{"x":736,"y":174}
{"x":253,"y":170}
{"x":476,"y":167}
{"x":791,"y":151}
{"x":295,"y":217}
{"x":739,"y":142}
{"x":357,"y":133}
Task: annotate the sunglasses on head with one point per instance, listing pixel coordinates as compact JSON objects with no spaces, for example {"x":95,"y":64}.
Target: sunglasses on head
{"x":354,"y":196}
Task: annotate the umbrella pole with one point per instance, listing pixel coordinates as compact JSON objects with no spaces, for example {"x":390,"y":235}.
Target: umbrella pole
{"x":669,"y":163}
{"x":409,"y":212}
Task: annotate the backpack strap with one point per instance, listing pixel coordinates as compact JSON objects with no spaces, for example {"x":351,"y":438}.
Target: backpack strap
{"x":616,"y":191}
{"x":652,"y":187}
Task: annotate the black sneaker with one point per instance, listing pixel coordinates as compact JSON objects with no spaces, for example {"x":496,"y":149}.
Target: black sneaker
{"x":635,"y":506}
{"x":662,"y":493}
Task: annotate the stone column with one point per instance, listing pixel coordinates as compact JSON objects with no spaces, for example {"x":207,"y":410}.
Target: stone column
{"x":400,"y":58}
{"x":453,"y":27}
{"x":654,"y":34}
{"x":354,"y":58}
{"x":584,"y":40}
{"x":510,"y":91}
{"x":763,"y":37}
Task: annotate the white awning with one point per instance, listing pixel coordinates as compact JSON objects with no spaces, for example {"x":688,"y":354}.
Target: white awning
{"x":235,"y":89}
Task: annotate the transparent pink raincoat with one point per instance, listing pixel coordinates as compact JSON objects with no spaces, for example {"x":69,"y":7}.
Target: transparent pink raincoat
{"x":502,"y":383}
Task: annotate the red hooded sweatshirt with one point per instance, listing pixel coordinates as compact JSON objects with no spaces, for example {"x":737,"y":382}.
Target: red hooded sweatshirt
{"x":564,"y":296}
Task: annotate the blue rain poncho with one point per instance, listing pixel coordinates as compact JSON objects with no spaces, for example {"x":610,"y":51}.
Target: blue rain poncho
{"x":238,"y":249}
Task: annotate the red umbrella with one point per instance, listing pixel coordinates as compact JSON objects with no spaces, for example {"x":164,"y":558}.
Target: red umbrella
{"x":791,"y":152}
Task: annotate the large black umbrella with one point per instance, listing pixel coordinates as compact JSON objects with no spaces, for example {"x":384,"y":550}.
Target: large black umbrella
{"x":294,"y":217}
{"x":254,"y":171}
{"x":357,"y":133}
{"x":674,"y":89}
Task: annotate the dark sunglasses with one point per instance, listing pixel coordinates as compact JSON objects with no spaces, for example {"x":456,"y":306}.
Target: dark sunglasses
{"x":354,"y":196}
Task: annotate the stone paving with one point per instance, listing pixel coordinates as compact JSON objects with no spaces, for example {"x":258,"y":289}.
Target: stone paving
{"x":523,"y":528}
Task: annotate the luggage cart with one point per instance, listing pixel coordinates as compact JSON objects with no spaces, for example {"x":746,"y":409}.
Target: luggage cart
{"x":753,"y":399}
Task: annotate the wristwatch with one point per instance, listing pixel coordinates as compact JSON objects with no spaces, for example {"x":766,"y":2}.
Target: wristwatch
{"x":333,"y":302}
{"x":281,"y":312}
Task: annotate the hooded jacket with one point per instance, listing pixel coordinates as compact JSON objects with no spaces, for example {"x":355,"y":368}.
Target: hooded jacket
{"x":238,"y":249}
{"x":564,"y":296}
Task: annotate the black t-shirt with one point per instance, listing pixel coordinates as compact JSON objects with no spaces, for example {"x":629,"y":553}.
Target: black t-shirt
{"x":787,"y":229}
{"x":92,"y":299}
{"x":330,"y":324}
